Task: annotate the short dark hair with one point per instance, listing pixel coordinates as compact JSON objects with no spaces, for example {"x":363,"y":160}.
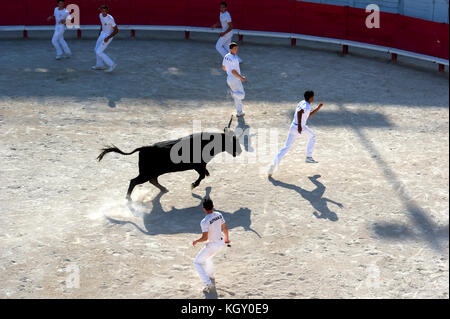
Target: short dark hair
{"x":104,"y":7}
{"x":58,"y":1}
{"x":208,"y":204}
{"x":223,"y":3}
{"x":233,"y":44}
{"x":308,"y":95}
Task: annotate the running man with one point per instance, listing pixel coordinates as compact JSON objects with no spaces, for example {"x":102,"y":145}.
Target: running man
{"x":212,"y":226}
{"x":230,"y":65}
{"x":223,"y":44}
{"x":108,"y":30}
{"x":60,"y":14}
{"x":302,"y":114}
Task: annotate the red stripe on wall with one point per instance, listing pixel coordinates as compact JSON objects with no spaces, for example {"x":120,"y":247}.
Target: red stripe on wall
{"x":342,"y":22}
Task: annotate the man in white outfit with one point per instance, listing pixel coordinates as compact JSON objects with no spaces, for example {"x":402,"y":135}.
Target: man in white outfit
{"x":212,"y":226}
{"x":230,"y":65}
{"x":108,"y":30}
{"x":60,"y":14}
{"x":224,"y":41}
{"x":299,"y":128}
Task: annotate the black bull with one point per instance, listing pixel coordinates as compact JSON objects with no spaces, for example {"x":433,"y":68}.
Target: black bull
{"x":190,"y":152}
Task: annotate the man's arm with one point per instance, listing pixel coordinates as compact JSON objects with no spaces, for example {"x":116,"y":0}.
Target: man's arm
{"x":203,"y":238}
{"x":236,"y":74}
{"x":224,"y":68}
{"x":299,"y":121}
{"x":225,"y":231}
{"x":315,"y":111}
{"x":230,"y":27}
{"x":116,"y":30}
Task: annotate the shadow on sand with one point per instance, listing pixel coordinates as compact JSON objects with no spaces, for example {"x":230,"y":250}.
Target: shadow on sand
{"x":315,"y":197}
{"x":157,"y":221}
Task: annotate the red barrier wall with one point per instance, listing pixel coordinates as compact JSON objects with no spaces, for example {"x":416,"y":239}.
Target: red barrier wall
{"x":290,"y":16}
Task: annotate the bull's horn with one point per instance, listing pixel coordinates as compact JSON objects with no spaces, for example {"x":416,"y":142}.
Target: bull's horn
{"x":231,"y":120}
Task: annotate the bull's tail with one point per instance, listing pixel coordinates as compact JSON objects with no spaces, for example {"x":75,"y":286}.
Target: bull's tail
{"x":114,"y":149}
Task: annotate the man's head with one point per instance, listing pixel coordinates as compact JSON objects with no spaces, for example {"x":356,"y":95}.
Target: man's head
{"x":234,"y":47}
{"x":104,"y":9}
{"x":60,"y":3}
{"x":208,"y":205}
{"x":309,"y":96}
{"x":223,"y":7}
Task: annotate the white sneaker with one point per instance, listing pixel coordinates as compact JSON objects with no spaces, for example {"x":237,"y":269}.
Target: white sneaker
{"x":311,"y":160}
{"x":208,"y":288}
{"x":98,"y":67}
{"x":240,"y":114}
{"x":111,"y":68}
{"x":59,"y":57}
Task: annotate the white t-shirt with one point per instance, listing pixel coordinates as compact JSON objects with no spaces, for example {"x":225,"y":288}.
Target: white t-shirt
{"x":212,"y":223}
{"x":225,"y":18}
{"x":231,"y":62}
{"x":306,"y":107}
{"x":108,"y":24}
{"x":60,"y":15}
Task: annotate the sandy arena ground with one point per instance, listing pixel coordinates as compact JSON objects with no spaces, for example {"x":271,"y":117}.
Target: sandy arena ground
{"x":375,"y":224}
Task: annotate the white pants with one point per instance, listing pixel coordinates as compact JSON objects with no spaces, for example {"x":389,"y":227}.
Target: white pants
{"x":223,"y":44}
{"x":100,"y":47}
{"x":293,"y":134}
{"x":237,"y":91}
{"x":204,"y":261}
{"x":58,"y":41}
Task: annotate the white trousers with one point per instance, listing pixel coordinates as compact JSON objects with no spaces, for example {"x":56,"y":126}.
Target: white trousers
{"x":237,"y":91}
{"x":204,"y":261}
{"x":223,"y":44}
{"x":100,"y":47}
{"x":293,"y":134}
{"x":58,"y":41}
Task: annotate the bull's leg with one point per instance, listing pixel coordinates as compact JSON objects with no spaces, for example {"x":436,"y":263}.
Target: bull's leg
{"x":135,"y":181}
{"x":154,"y":181}
{"x":202,"y":173}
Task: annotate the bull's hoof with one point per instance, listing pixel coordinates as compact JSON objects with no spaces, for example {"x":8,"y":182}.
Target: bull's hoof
{"x":193,"y":185}
{"x":164,"y":190}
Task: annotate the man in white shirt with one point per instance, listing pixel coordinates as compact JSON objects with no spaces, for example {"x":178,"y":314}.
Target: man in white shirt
{"x":108,"y":30}
{"x":224,"y":41}
{"x":230,"y":65}
{"x":60,"y":14}
{"x":212,"y":226}
{"x":299,"y":128}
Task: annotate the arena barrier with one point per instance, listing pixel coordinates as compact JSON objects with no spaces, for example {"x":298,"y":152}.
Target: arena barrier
{"x":398,"y":35}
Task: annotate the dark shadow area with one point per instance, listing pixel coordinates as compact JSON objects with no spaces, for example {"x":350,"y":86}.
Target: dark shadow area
{"x":364,"y":119}
{"x":315,"y":197}
{"x":429,"y":231}
{"x":396,"y":231}
{"x":148,"y":78}
{"x":186,"y":220}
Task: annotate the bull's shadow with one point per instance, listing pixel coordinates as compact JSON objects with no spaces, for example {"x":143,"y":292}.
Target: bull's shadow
{"x":158,"y":221}
{"x":315,"y":197}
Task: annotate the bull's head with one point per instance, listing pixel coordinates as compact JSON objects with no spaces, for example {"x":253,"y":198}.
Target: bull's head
{"x":232,"y":145}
